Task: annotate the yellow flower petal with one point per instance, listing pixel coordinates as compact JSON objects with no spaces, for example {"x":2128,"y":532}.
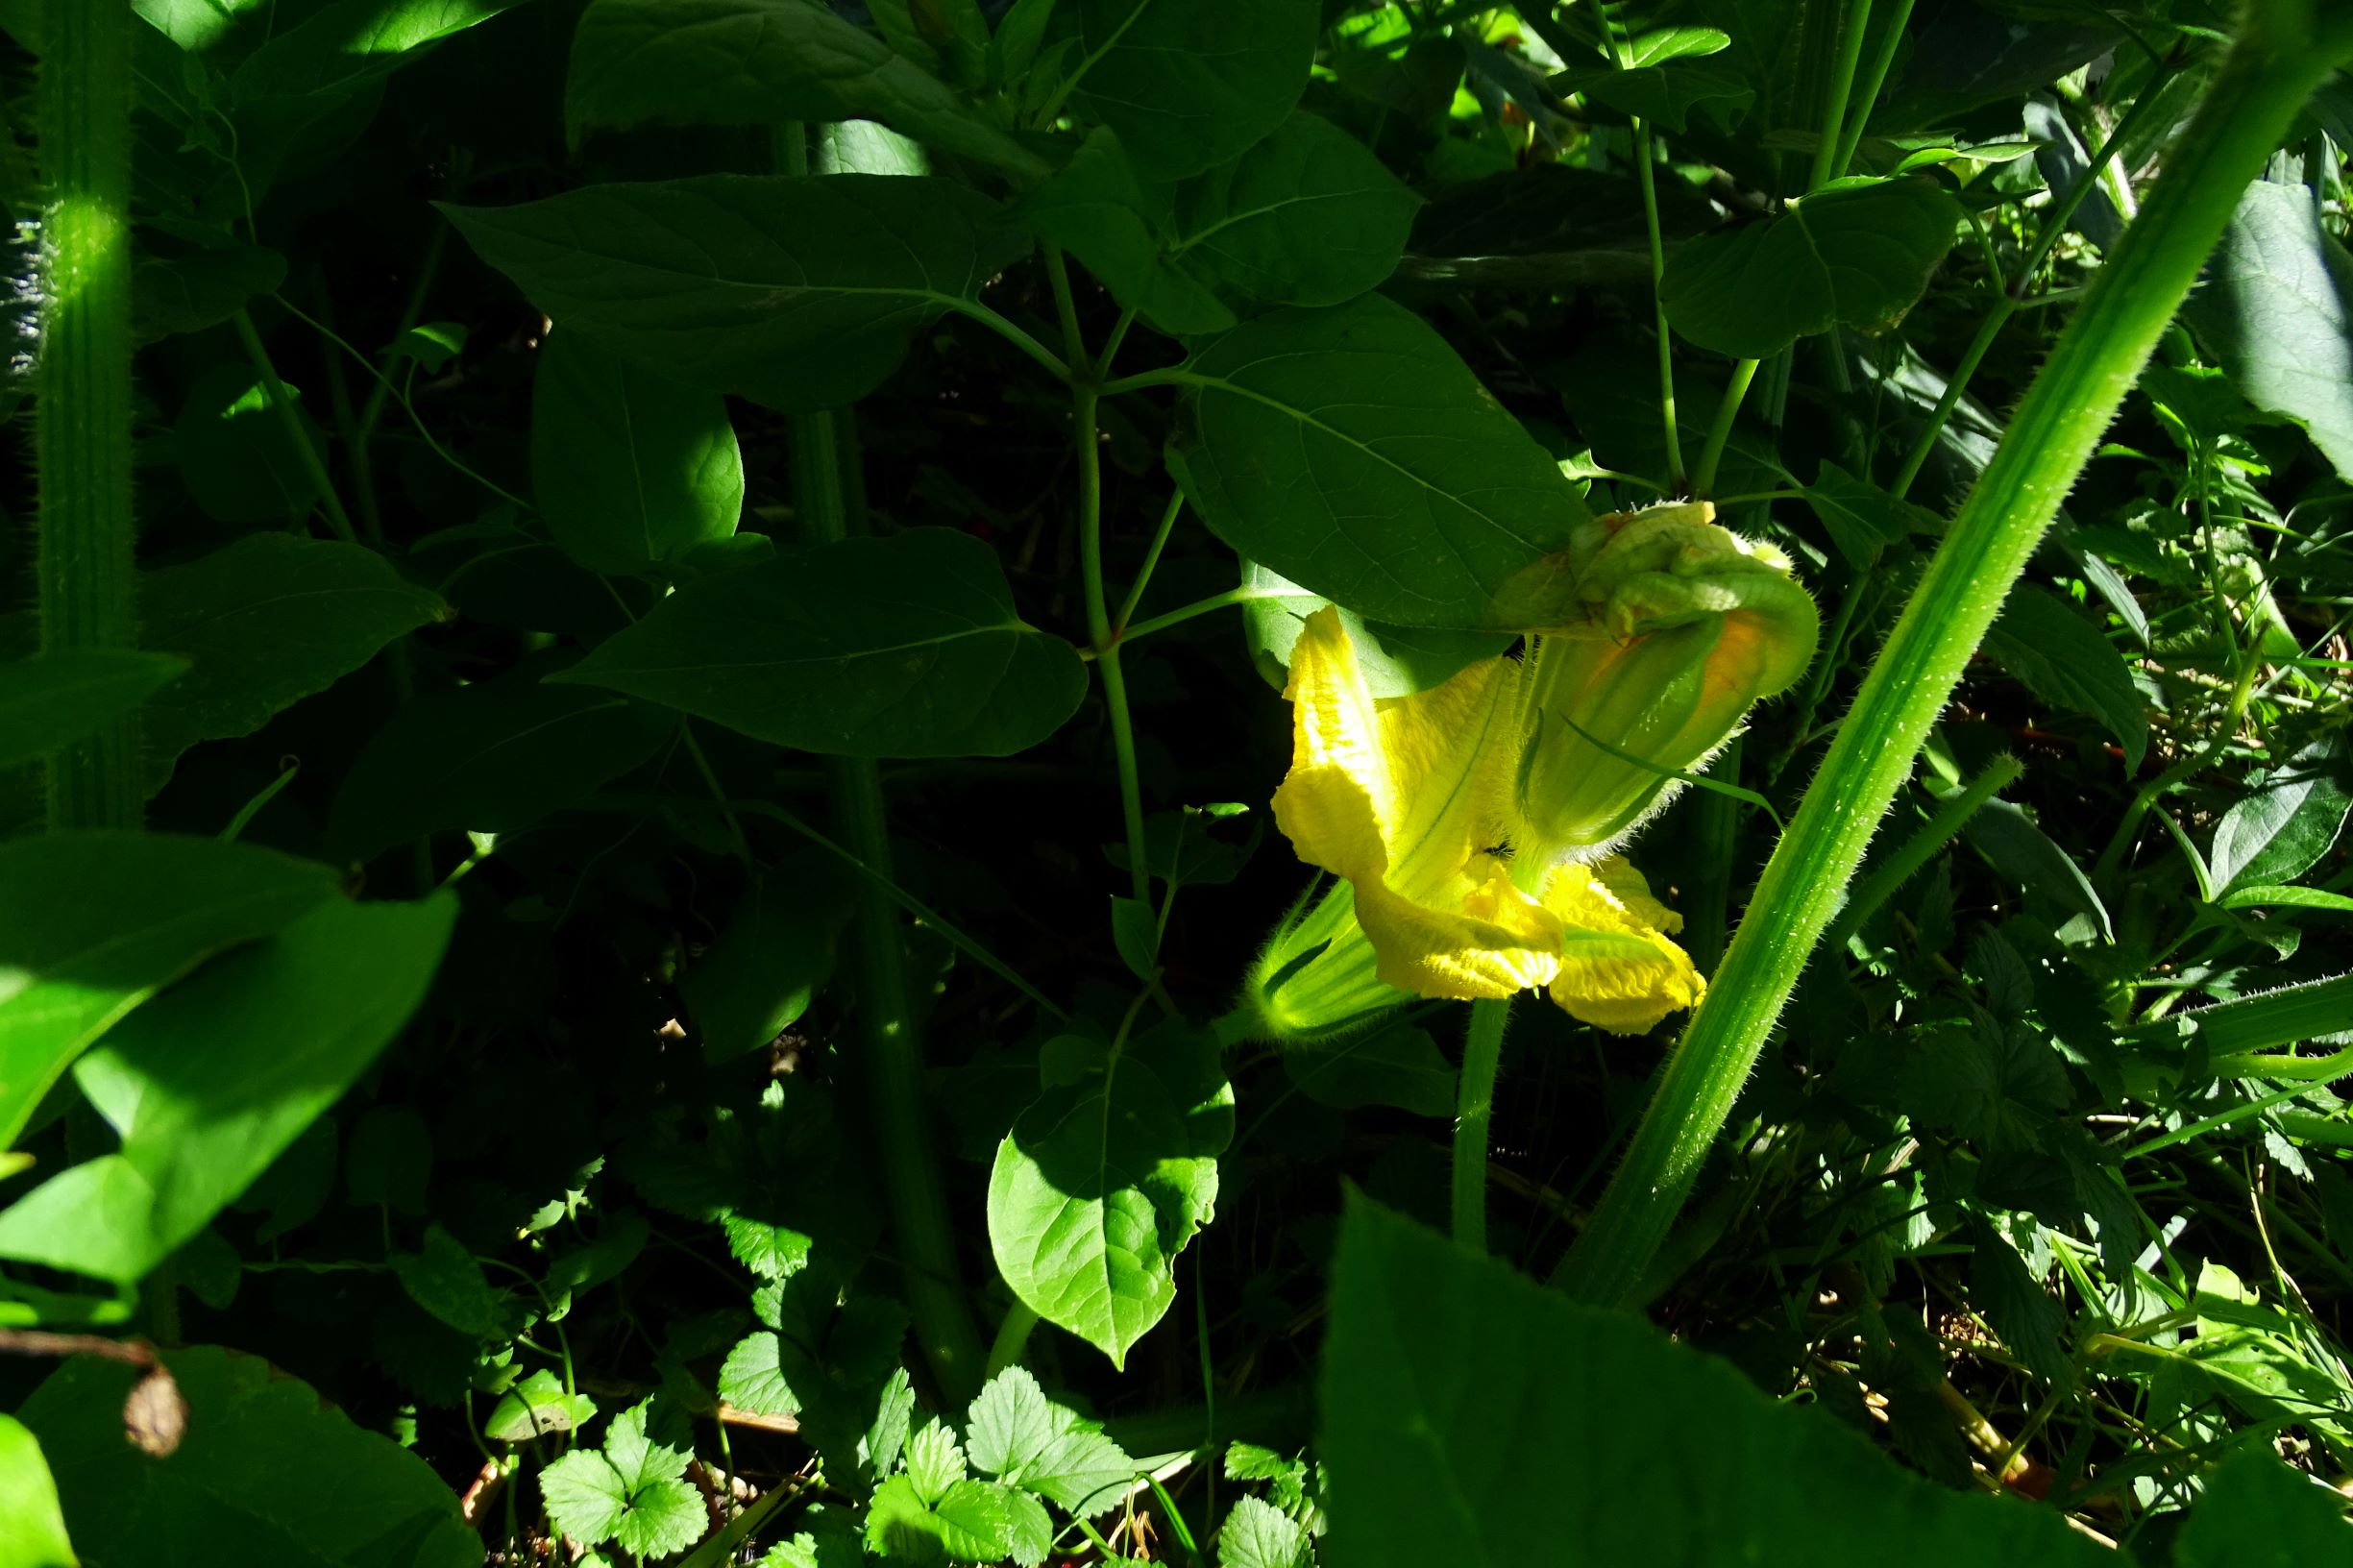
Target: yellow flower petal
{"x":1617,"y":970}
{"x":1497,"y":942}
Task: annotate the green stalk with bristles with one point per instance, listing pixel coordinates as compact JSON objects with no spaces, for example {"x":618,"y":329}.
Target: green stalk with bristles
{"x":2283,"y":50}
{"x":88,"y":586}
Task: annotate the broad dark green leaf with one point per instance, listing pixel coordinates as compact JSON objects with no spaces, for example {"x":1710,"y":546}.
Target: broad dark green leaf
{"x":2030,"y":1319}
{"x":1664,"y":93}
{"x":235,"y":454}
{"x":51,"y":700}
{"x":490,"y":758}
{"x":1447,"y":1375}
{"x":31,"y":1521}
{"x":1399,"y":1066}
{"x":349,"y":42}
{"x":208,"y":1083}
{"x":2278,"y":831}
{"x":1862,"y":519}
{"x":905,"y":647}
{"x":269,"y":1475}
{"x":92,"y":924}
{"x":203,"y":288}
{"x":1180,"y":107}
{"x":1305,"y":217}
{"x":1102,"y":1182}
{"x":2020,"y":850}
{"x":2257,"y":1513}
{"x":2062,"y":658}
{"x":771,"y":959}
{"x":2276,"y":309}
{"x":265,"y":621}
{"x":629,"y":469}
{"x":1856,"y":253}
{"x":1354,"y":453}
{"x":1119,"y":224}
{"x":798,"y":293}
{"x":445,"y":1278}
{"x":732,"y":61}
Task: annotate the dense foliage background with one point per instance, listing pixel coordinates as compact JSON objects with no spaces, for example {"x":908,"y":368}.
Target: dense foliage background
{"x":572,"y":1132}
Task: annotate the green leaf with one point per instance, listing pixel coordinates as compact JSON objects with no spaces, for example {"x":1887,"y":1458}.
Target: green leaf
{"x":1102,"y":211}
{"x":629,"y":469}
{"x":1307,"y":216}
{"x":634,"y":1492}
{"x":266,"y":620}
{"x":51,"y":700}
{"x":1449,"y":1375}
{"x":904,"y":647}
{"x":1396,"y":661}
{"x":935,"y":1461}
{"x":2276,"y":310}
{"x":1134,"y":930}
{"x":490,"y":758}
{"x":774,"y":954}
{"x":92,"y":924}
{"x":32,"y":1522}
{"x":445,"y":1279}
{"x":734,"y":62}
{"x":1663,"y":93}
{"x":972,"y":1522}
{"x":1181,"y":108}
{"x":235,"y":454}
{"x":351,"y":42}
{"x":2021,"y":852}
{"x":1352,"y":452}
{"x":1015,"y":1435}
{"x":266,"y":1472}
{"x":2064,"y":659}
{"x":1856,"y":253}
{"x":203,"y":288}
{"x":1399,"y":1066}
{"x":1102,"y":1182}
{"x":795,"y":293}
{"x":208,"y":1083}
{"x":2277,"y":831}
{"x":538,"y":1407}
{"x":2258,"y":1513}
{"x":1862,"y":519}
{"x":1258,"y":1534}
{"x":2031,"y":1321}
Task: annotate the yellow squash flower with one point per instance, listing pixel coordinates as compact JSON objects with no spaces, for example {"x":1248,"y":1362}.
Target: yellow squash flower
{"x":1410,"y":800}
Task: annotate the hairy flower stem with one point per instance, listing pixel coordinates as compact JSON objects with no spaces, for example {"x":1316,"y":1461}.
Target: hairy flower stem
{"x":88,"y":585}
{"x":1483,"y":1051}
{"x":2281,"y":55}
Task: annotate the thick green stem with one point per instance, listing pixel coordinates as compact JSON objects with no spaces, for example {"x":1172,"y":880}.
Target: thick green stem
{"x":2254,"y":100}
{"x":1857,"y":22}
{"x":1873,"y":81}
{"x":925,"y":1241}
{"x":82,"y":444}
{"x":1483,"y":1051}
{"x":1703,"y":478}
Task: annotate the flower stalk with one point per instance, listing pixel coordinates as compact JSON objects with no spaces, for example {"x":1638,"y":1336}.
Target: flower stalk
{"x":2283,"y":50}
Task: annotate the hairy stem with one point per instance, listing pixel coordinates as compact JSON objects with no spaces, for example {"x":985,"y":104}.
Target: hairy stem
{"x":1483,"y":1051}
{"x":2270,"y":71}
{"x":88,"y":585}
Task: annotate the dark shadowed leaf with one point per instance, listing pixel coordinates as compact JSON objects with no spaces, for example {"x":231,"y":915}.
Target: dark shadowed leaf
{"x":2062,"y":658}
{"x":264,"y":621}
{"x":629,"y":469}
{"x":2258,"y":1513}
{"x":905,"y":647}
{"x":490,"y":758}
{"x":798,"y":293}
{"x":1306,"y":217}
{"x":53,"y":699}
{"x":1856,"y":253}
{"x":1182,"y":109}
{"x":1449,"y":1374}
{"x":729,"y":61}
{"x":1399,"y":1066}
{"x":267,"y":1472}
{"x":1354,"y":453}
{"x":203,"y":288}
{"x":235,"y":454}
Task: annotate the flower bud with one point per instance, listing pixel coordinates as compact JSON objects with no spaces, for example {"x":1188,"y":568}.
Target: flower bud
{"x":1686,"y":627}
